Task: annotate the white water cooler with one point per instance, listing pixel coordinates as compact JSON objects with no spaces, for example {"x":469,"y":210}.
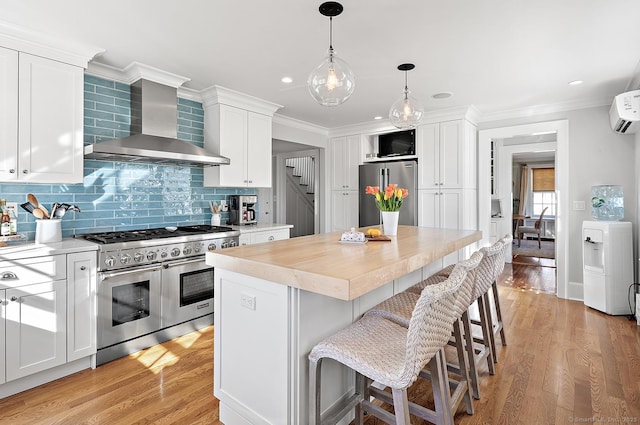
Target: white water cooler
{"x":607,"y":265}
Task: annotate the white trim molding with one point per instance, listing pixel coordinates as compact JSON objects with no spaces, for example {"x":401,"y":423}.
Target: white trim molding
{"x":561,"y":127}
{"x":218,"y":94}
{"x":36,"y":43}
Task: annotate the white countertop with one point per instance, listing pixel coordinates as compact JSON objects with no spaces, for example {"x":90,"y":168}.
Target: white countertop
{"x":261,"y":227}
{"x":30,"y":249}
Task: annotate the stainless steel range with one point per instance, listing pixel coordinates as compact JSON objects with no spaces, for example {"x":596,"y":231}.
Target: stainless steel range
{"x":154,"y":285}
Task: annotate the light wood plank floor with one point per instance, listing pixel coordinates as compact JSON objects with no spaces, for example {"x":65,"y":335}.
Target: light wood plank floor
{"x":564,"y":362}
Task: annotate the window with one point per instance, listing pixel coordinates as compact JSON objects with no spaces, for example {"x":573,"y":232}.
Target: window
{"x":542,"y":200}
{"x":544,"y":186}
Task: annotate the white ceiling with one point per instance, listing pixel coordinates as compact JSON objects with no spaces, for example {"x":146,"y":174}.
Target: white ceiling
{"x":495,"y":54}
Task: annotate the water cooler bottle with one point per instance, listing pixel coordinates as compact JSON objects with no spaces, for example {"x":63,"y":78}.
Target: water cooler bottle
{"x":607,"y":265}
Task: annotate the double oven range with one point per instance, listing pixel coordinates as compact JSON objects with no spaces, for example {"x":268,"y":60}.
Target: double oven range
{"x":153,"y":285}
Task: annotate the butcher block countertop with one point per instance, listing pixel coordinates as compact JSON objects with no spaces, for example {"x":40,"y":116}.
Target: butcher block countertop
{"x":321,"y":264}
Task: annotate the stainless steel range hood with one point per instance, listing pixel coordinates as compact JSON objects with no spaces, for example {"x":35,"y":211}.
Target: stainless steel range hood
{"x":154,"y":121}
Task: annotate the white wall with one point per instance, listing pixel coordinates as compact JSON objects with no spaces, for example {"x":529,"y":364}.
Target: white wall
{"x":597,"y":155}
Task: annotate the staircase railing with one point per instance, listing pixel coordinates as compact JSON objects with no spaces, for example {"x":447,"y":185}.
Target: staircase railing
{"x":304,"y":168}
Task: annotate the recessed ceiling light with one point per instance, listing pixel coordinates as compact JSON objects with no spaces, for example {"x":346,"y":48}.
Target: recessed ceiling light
{"x":287,"y":80}
{"x":443,"y":95}
{"x":575,"y":82}
{"x":377,"y":118}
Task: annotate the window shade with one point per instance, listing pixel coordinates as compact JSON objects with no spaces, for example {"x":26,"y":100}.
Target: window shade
{"x":544,"y":179}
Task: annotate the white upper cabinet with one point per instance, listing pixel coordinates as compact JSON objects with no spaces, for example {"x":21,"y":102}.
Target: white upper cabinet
{"x":446,"y":153}
{"x":345,"y":157}
{"x":8,"y":114}
{"x":239,"y":128}
{"x":44,"y":103}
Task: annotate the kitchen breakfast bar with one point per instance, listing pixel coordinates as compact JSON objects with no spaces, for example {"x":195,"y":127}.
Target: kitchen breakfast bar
{"x":275,"y":301}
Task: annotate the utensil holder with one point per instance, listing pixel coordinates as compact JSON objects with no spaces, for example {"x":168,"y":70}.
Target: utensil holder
{"x":48,"y":231}
{"x":215,"y":220}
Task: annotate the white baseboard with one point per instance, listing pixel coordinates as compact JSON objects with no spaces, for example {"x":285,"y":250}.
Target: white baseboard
{"x":575,"y":291}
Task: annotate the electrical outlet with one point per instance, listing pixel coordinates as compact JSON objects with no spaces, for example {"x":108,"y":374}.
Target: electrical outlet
{"x":578,"y":205}
{"x":248,"y":301}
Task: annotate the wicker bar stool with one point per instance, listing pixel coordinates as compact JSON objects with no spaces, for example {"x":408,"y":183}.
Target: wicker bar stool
{"x":479,"y":348}
{"x":495,"y":315}
{"x":392,"y":355}
{"x":398,"y":309}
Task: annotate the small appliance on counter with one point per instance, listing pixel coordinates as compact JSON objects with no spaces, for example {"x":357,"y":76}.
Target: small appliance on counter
{"x":242,"y":209}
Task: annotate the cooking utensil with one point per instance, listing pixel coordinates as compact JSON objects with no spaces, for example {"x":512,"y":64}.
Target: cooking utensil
{"x":33,"y":200}
{"x":44,"y":210}
{"x":28,"y":207}
{"x":61,"y":210}
{"x":53,"y":209}
{"x":38,"y":213}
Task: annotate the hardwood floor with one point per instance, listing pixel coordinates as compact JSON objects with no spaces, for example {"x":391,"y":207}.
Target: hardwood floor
{"x":564,"y":363}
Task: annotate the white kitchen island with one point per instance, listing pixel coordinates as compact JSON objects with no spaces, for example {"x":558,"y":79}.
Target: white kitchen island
{"x":275,"y":301}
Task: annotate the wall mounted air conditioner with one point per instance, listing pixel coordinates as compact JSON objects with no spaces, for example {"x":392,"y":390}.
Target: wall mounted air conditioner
{"x":625,"y":112}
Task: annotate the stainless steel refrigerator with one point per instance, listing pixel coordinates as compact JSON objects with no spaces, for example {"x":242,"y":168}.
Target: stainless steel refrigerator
{"x":402,"y":173}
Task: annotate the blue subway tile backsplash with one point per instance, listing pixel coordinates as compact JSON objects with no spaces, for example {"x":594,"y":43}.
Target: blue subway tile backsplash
{"x":123,"y":196}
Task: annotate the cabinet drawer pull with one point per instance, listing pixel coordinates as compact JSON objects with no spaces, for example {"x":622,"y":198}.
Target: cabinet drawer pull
{"x":14,"y":298}
{"x":12,"y":171}
{"x":9,"y":276}
{"x":83,"y":268}
{"x":25,"y":171}
{"x":271,"y":238}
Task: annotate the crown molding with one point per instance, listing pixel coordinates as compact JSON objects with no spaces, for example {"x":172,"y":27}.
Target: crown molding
{"x":135,"y":71}
{"x":26,"y":40}
{"x":221,"y":95}
{"x":530,"y":111}
{"x":300,"y":125}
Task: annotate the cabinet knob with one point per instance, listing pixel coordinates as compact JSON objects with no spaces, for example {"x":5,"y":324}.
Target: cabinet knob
{"x":25,"y":171}
{"x":83,"y":268}
{"x":12,"y":171}
{"x":14,"y":298}
{"x":9,"y":276}
{"x":250,"y":181}
{"x":271,"y":238}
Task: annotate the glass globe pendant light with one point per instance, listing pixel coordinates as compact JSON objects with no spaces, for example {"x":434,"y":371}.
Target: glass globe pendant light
{"x":407,"y":111}
{"x":332,"y":82}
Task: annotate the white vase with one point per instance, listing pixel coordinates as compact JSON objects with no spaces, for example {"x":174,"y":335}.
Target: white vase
{"x":390,"y":222}
{"x":215,"y":220}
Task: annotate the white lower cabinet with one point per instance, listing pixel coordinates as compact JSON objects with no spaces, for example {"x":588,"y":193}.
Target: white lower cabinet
{"x":344,"y":210}
{"x":261,"y":236}
{"x":47,"y":318}
{"x":81,"y":306}
{"x":35,"y":322}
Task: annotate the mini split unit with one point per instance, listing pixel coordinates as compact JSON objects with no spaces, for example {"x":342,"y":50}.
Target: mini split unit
{"x":625,"y":112}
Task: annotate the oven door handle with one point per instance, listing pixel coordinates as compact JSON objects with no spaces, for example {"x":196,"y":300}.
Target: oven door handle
{"x":182,"y":262}
{"x":109,"y":275}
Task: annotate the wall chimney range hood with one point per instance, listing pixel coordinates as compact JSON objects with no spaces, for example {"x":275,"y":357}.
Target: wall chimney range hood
{"x":153,"y":140}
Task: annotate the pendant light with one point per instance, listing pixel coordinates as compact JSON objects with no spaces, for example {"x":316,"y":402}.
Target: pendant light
{"x":332,"y":82}
{"x":407,"y":111}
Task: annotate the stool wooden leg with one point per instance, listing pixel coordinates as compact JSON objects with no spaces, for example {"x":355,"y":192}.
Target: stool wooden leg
{"x":314,"y":392}
{"x":496,"y":302}
{"x":489,"y":316}
{"x":464,"y":366}
{"x":471,"y":357}
{"x":401,"y":407}
{"x":485,"y":333}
